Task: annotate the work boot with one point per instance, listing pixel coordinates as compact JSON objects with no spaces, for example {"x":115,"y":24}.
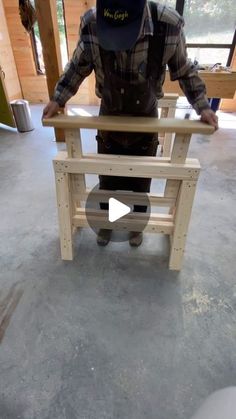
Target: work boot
{"x":103,"y":237}
{"x":135,"y":238}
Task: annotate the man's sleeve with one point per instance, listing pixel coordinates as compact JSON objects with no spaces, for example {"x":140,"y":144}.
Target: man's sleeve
{"x":78,"y":68}
{"x":183,"y":70}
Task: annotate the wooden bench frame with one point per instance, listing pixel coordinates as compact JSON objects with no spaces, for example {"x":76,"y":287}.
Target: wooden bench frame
{"x":180,"y":172}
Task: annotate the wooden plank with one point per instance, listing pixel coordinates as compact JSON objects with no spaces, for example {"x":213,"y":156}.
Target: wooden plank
{"x":136,"y":198}
{"x":64,"y":214}
{"x":153,"y":226}
{"x":178,"y":155}
{"x":129,"y":124}
{"x":73,"y":143}
{"x":181,"y":223}
{"x":180,"y":148}
{"x":132,"y":216}
{"x":118,"y":157}
{"x":127,"y":167}
{"x":74,"y":149}
{"x":34,"y":88}
{"x":168,"y":136}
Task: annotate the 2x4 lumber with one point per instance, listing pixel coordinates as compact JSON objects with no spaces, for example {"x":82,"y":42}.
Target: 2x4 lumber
{"x":129,"y":197}
{"x":168,"y":136}
{"x":180,"y":148}
{"x":73,"y":142}
{"x":153,"y":226}
{"x":49,"y":35}
{"x":64,"y":214}
{"x":178,"y":156}
{"x":129,"y":124}
{"x":112,"y":167}
{"x":181,"y":223}
{"x":132,"y":216}
{"x":74,"y":149}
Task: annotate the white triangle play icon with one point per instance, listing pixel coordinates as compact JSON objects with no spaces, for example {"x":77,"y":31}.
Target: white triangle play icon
{"x":117,"y":210}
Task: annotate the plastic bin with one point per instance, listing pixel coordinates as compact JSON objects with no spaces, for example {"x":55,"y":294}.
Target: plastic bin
{"x":22,"y":115}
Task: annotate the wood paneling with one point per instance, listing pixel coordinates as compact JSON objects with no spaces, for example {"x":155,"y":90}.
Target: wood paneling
{"x":20,"y":40}
{"x":7,"y":61}
{"x":35,"y":87}
{"x":74,"y":9}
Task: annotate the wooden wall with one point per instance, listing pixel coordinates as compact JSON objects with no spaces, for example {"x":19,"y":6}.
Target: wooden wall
{"x":33,"y":85}
{"x":74,"y":9}
{"x":7,"y":60}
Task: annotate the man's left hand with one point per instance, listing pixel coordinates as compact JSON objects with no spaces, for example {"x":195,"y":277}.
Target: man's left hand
{"x":209,"y":116}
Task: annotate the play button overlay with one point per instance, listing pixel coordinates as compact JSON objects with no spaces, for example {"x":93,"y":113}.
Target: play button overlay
{"x":117,"y":211}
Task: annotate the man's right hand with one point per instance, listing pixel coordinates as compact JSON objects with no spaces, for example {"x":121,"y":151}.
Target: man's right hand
{"x":51,"y":109}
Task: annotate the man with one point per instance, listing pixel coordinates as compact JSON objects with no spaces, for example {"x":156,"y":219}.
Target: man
{"x":128,"y":44}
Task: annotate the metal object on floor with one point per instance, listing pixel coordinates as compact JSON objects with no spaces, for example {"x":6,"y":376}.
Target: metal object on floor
{"x":22,"y":115}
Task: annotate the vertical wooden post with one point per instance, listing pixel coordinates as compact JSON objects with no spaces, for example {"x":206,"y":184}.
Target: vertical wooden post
{"x":64,"y":214}
{"x":74,"y":149}
{"x":49,"y":35}
{"x":178,"y":155}
{"x":168,"y":136}
{"x":182,"y":218}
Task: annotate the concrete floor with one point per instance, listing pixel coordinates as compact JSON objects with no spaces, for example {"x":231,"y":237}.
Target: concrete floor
{"x":113,"y":334}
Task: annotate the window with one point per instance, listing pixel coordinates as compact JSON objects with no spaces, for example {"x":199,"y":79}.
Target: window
{"x":209,"y":29}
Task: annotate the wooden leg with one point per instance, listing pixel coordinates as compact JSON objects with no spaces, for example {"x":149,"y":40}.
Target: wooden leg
{"x":64,"y":214}
{"x":181,"y":222}
{"x":171,"y":191}
{"x":168,"y":136}
{"x":78,"y":185}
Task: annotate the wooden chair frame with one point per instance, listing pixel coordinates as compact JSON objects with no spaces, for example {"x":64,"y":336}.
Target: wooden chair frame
{"x":180,"y":172}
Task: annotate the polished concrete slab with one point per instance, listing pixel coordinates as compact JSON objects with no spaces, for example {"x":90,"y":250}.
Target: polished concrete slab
{"x":113,"y":334}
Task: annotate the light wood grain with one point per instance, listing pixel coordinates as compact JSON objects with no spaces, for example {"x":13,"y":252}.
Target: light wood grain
{"x":127,"y":167}
{"x":129,"y":124}
{"x":64,"y":214}
{"x":181,"y":223}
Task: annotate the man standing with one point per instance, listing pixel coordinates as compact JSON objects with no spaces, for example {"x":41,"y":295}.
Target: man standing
{"x":128,"y":44}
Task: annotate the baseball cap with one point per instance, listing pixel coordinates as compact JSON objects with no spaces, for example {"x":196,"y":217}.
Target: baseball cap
{"x":118,"y":23}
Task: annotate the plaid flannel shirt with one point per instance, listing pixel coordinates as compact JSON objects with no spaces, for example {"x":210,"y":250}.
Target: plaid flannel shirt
{"x":86,"y":58}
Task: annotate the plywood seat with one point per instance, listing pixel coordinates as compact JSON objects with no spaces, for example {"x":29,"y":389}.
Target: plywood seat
{"x":181,"y":175}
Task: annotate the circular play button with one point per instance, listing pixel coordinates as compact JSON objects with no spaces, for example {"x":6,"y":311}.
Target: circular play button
{"x":120,"y":211}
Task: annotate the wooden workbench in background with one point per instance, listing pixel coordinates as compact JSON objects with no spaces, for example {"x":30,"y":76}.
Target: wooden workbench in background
{"x":219,"y":85}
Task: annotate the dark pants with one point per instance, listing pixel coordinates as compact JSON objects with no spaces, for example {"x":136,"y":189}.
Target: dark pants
{"x":146,"y":146}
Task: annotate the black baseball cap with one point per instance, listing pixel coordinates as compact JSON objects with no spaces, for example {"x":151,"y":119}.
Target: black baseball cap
{"x":119,"y":23}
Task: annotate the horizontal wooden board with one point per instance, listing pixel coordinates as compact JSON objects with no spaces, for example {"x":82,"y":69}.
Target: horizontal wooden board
{"x":154,"y":225}
{"x":129,"y":124}
{"x":135,"y":198}
{"x":127,"y":167}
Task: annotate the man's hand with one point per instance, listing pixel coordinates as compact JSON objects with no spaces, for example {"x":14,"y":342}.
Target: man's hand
{"x":50,"y":110}
{"x":208,"y":116}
